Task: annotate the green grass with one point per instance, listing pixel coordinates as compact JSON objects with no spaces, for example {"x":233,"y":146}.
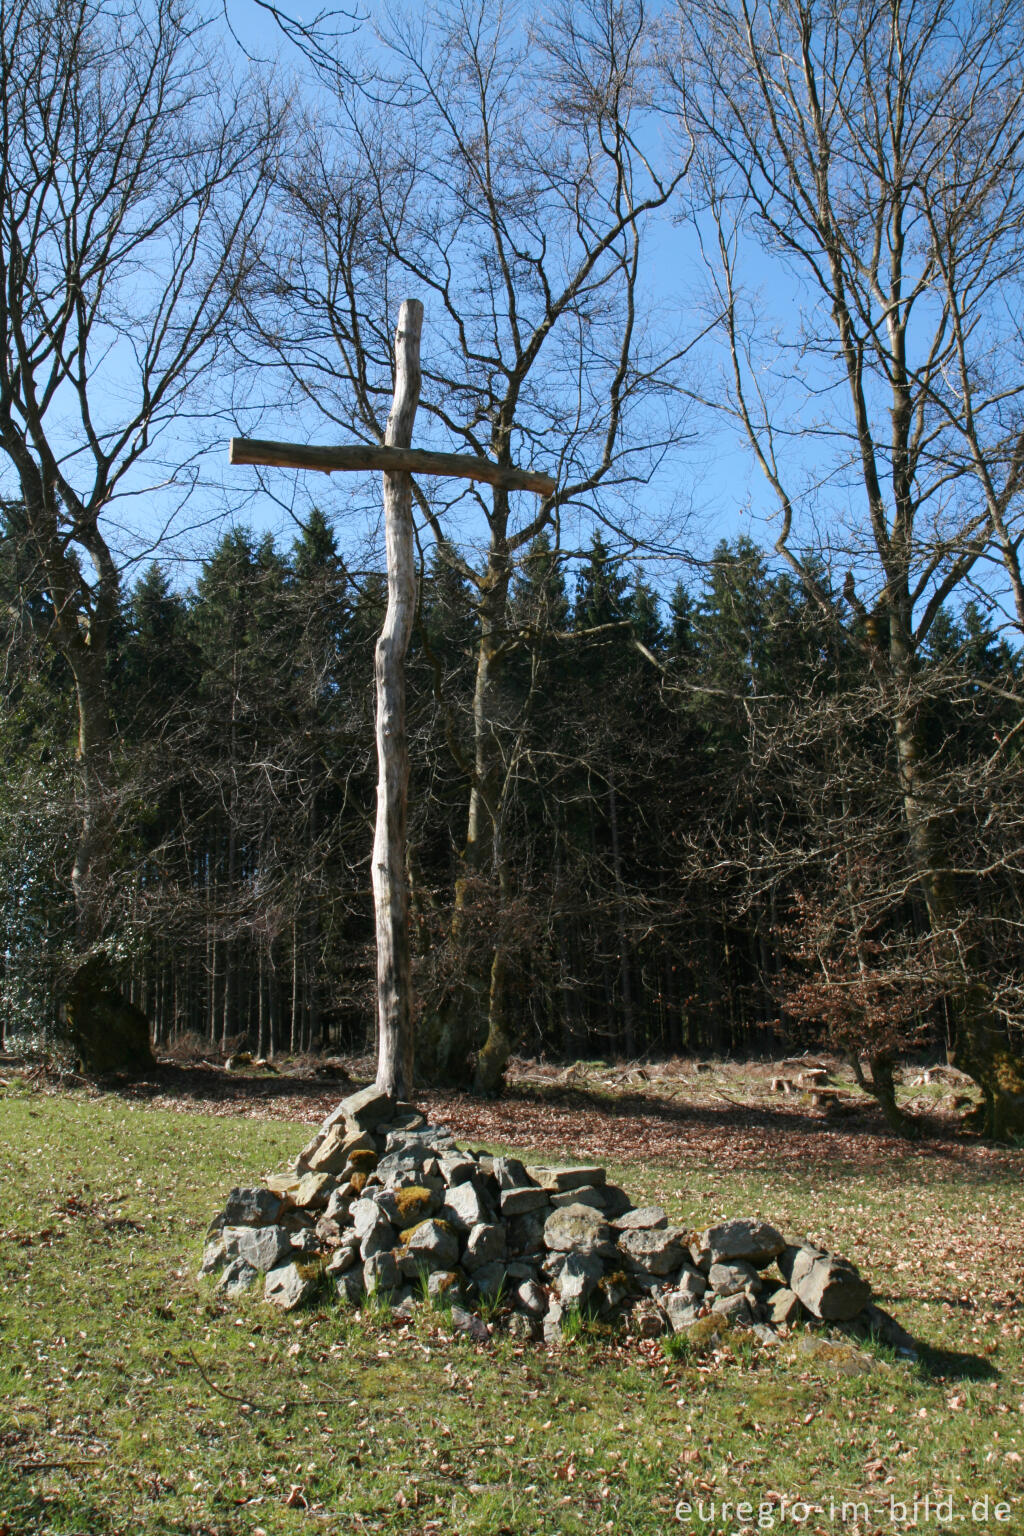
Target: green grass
{"x":134,"y":1403}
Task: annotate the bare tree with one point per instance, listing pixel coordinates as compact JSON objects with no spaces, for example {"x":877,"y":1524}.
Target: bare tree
{"x":133,"y":168}
{"x":872,"y":152}
{"x":503,"y":169}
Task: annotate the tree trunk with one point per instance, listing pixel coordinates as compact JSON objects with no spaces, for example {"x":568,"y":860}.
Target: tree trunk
{"x":390,"y":887}
{"x":108,"y":1032}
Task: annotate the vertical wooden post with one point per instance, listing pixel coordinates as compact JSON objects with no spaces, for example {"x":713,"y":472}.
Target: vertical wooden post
{"x":390,"y":889}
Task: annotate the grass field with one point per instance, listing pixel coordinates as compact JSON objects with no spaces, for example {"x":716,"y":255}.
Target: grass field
{"x":135,"y":1403}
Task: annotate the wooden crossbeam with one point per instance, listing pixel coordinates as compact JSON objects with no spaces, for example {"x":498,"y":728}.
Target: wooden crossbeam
{"x":410,"y":461}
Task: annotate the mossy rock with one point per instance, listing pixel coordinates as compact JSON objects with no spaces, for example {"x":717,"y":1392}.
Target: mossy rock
{"x":406,"y":1236}
{"x":832,"y":1354}
{"x":414,"y":1205}
{"x":706,"y":1333}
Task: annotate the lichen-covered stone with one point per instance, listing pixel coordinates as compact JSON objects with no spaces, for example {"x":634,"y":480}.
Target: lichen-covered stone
{"x":654,"y":1250}
{"x":580,"y":1229}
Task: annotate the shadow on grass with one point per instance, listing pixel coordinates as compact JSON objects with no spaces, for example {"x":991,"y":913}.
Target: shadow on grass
{"x":955,"y":1364}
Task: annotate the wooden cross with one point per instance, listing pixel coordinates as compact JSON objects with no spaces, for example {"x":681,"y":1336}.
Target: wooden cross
{"x":399,"y":463}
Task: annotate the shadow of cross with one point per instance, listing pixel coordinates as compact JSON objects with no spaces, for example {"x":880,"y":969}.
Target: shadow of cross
{"x":399,"y":462}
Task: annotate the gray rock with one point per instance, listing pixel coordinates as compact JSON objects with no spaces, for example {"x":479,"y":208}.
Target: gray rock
{"x":215,"y":1254}
{"x":484,"y":1245}
{"x":339,"y":1206}
{"x":564,"y":1177}
{"x":473,"y":1327}
{"x":680,"y":1309}
{"x":380,"y":1272}
{"x":308,"y":1242}
{"x":444,"y":1283}
{"x":526,"y":1233}
{"x":434,"y":1241}
{"x":745,"y":1238}
{"x":363,"y":1111}
{"x":521,"y":1269}
{"x":579,"y":1229}
{"x":735,"y":1308}
{"x":349,"y":1287}
{"x":288,"y":1285}
{"x":248,"y":1207}
{"x":532,"y":1298}
{"x":395,"y":1165}
{"x":491,"y":1280}
{"x":337,"y":1146}
{"x":381,"y":1237}
{"x":649,"y":1218}
{"x":616,"y":1202}
{"x":510,"y":1173}
{"x":577,"y":1278}
{"x":262,"y":1247}
{"x":588,"y":1194}
{"x":553,"y":1322}
{"x":655,"y":1251}
{"x":342,"y":1259}
{"x":364,"y":1214}
{"x":691,"y":1284}
{"x":240,"y":1276}
{"x":314,"y":1191}
{"x":456,"y":1168}
{"x":465,"y":1207}
{"x":784,"y":1306}
{"x":828,"y":1286}
{"x":733,"y":1278}
{"x":518,"y":1201}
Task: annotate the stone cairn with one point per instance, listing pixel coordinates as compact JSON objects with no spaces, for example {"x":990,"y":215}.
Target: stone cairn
{"x":382,"y":1204}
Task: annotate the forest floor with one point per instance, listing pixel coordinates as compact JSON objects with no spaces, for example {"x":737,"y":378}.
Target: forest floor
{"x":133,"y":1402}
